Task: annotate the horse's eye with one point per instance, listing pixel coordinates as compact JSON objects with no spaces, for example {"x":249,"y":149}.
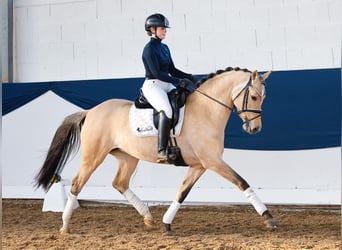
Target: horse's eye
{"x":253,"y":97}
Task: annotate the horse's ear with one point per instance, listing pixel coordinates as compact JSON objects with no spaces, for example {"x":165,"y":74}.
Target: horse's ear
{"x":267,"y":74}
{"x":255,"y":75}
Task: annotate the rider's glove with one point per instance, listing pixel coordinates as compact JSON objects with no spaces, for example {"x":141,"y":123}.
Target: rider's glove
{"x":193,"y":79}
{"x":184,"y":83}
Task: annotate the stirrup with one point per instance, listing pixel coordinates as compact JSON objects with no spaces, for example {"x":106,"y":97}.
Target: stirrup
{"x":162,"y":157}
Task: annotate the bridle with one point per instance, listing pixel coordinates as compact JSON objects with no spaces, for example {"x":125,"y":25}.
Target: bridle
{"x":244,"y":102}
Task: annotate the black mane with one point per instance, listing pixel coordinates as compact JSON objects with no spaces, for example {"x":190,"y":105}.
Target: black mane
{"x":220,"y":71}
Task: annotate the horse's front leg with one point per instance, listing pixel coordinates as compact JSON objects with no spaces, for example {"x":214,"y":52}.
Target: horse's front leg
{"x":260,"y":207}
{"x":228,"y":173}
{"x":193,"y":174}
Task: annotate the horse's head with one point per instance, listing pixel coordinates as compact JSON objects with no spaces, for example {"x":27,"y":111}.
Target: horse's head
{"x":248,"y":98}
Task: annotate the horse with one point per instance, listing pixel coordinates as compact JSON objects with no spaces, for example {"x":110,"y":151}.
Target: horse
{"x":104,"y":130}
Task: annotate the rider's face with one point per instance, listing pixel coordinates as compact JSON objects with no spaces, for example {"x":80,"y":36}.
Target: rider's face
{"x":160,"y":32}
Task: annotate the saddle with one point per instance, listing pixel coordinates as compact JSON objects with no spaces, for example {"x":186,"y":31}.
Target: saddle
{"x":177,"y":98}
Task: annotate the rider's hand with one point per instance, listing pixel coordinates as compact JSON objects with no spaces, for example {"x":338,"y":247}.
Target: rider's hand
{"x":184,"y":83}
{"x":193,"y":79}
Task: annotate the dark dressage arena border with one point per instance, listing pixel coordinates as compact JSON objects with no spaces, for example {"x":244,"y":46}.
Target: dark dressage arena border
{"x":114,"y":226}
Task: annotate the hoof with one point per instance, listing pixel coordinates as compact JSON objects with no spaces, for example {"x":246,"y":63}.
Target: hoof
{"x":168,"y":230}
{"x":150,"y":223}
{"x":64,"y":230}
{"x":271,"y":223}
{"x":168,"y":233}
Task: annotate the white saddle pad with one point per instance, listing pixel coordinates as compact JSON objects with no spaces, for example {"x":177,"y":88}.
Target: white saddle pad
{"x":141,"y":122}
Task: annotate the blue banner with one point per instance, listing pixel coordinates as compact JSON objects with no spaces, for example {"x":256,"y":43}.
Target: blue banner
{"x":302,"y":109}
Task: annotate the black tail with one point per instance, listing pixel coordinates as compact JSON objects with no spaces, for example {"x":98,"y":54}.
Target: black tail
{"x":65,"y":141}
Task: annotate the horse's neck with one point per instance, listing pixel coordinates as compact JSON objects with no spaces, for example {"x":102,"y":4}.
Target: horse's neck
{"x":219,"y":89}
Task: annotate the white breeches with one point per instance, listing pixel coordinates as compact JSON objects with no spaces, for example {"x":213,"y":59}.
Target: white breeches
{"x":155,"y":92}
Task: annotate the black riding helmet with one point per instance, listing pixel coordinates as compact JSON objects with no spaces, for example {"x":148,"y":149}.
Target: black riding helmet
{"x":156,"y":20}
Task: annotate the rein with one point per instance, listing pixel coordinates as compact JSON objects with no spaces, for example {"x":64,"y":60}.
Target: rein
{"x":245,"y":102}
{"x":215,"y":100}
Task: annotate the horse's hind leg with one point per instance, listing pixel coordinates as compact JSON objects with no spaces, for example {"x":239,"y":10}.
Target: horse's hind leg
{"x":193,"y":174}
{"x":92,"y":157}
{"x":77,"y":184}
{"x":126,"y":167}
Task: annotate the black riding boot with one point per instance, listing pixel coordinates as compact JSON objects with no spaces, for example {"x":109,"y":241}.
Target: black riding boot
{"x":163,"y":136}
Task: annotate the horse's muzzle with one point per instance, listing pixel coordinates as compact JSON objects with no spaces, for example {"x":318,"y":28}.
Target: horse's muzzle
{"x":250,"y":129}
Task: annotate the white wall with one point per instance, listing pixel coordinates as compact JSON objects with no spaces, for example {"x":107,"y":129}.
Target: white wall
{"x":280,"y":177}
{"x":91,"y":39}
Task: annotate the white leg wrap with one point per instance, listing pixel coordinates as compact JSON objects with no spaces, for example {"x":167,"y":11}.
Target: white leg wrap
{"x":171,"y":212}
{"x":137,"y":203}
{"x":69,"y":207}
{"x":256,"y":202}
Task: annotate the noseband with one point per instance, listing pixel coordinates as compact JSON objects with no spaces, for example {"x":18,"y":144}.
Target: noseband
{"x":244,"y":102}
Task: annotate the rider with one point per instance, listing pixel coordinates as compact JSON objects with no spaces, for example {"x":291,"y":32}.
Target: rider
{"x":161,"y":77}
